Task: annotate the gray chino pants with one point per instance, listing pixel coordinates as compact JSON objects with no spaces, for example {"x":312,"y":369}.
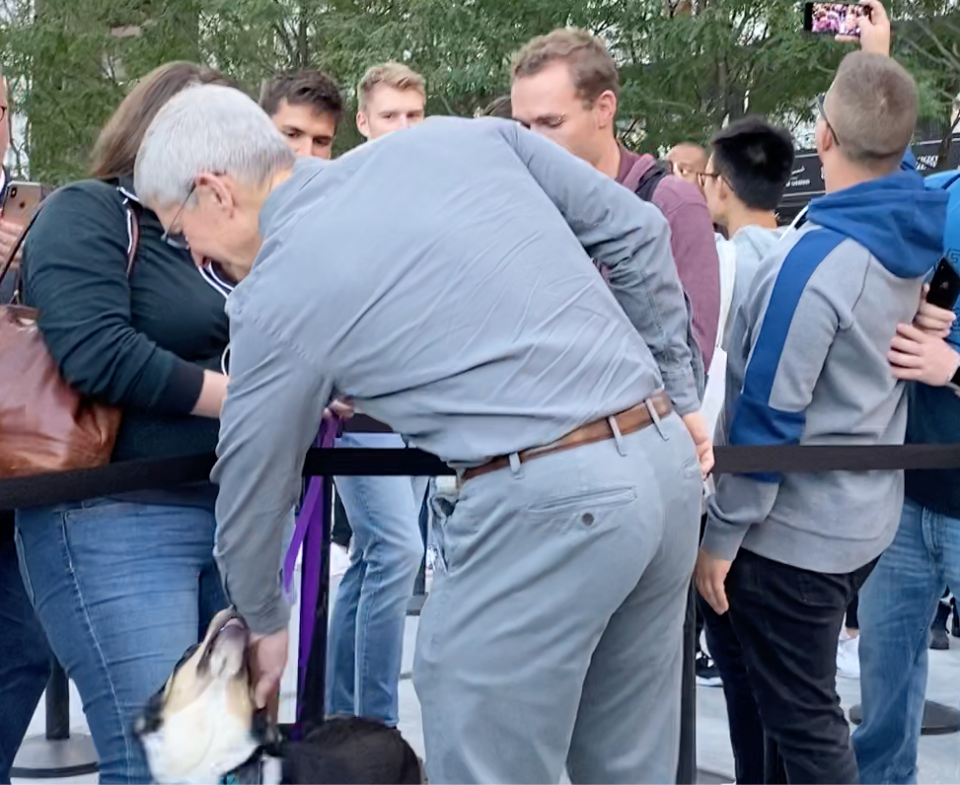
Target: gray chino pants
{"x":553,"y":637}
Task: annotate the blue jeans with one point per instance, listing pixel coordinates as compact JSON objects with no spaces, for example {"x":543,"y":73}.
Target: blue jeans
{"x":24,"y":657}
{"x":897,"y":606}
{"x":366,"y":630}
{"x":122,"y":590}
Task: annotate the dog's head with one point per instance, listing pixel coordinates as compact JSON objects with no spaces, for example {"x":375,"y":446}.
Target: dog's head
{"x":203,"y":723}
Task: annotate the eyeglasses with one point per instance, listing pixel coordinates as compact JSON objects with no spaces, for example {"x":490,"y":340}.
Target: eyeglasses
{"x":821,"y":101}
{"x":702,"y":177}
{"x":178,"y":240}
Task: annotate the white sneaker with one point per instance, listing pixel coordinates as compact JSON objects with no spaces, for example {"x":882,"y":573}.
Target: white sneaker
{"x":848,"y":657}
{"x":339,"y":560}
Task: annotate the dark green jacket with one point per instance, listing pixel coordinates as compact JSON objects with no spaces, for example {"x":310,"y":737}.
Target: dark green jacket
{"x":142,"y":343}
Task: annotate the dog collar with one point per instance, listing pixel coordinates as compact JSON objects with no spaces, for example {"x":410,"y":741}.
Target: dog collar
{"x":249,"y":773}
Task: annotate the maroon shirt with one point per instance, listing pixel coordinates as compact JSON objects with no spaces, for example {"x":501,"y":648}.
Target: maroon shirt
{"x":693,"y":244}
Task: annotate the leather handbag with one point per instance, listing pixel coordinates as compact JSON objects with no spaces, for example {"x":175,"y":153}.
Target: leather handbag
{"x":46,"y":425}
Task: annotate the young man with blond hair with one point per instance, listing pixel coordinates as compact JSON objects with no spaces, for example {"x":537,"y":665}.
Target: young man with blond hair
{"x":390,"y":97}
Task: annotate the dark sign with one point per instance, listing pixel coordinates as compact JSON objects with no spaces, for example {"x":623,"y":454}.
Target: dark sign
{"x":807,"y":180}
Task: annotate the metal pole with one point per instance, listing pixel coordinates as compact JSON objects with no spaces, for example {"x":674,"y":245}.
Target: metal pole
{"x":312,"y":696}
{"x":56,"y":754}
{"x":687,"y":764}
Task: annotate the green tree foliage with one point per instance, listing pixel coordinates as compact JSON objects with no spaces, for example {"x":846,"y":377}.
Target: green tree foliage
{"x":688,"y":66}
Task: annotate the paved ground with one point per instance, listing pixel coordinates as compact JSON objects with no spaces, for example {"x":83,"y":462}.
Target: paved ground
{"x":939,"y":758}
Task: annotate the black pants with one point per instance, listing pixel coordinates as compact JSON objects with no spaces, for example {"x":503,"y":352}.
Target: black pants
{"x":743,"y":717}
{"x":788,"y":622}
{"x":852,"y":622}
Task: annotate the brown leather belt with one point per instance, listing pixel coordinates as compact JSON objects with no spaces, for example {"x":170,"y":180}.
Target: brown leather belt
{"x":629,"y":421}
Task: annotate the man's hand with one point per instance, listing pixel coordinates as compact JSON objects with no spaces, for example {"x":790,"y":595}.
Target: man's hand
{"x":919,"y":356}
{"x":933,"y":320}
{"x":697,"y":426}
{"x":711,"y":573}
{"x":268,"y":658}
{"x":339,"y":408}
{"x":874,"y":30}
{"x":9,"y":233}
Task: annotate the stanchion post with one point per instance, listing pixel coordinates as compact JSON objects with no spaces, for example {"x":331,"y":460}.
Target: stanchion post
{"x":311,"y":698}
{"x":687,"y":763}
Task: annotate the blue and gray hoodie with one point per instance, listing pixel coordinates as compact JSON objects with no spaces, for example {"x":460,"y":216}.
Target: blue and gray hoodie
{"x":807,"y":364}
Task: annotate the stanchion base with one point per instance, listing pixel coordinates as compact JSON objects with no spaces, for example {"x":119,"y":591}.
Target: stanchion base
{"x":42,"y":759}
{"x":705,"y":777}
{"x":416,"y":604}
{"x":938,"y":720}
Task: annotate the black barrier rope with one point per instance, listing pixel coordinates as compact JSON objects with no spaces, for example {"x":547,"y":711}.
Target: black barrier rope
{"x":147,"y":474}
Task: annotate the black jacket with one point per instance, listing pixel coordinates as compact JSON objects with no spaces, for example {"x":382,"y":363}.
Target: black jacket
{"x":142,"y":343}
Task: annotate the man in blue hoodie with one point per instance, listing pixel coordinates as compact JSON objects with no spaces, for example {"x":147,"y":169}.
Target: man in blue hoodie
{"x":807,"y":364}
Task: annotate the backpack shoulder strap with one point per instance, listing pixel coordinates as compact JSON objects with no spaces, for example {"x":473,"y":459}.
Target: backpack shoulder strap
{"x":650,"y":180}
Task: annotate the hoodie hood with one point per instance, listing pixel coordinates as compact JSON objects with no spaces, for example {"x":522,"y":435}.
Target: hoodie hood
{"x":896,"y":218}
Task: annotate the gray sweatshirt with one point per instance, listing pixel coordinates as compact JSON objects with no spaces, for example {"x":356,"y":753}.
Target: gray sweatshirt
{"x":441,"y":277}
{"x":807,"y":364}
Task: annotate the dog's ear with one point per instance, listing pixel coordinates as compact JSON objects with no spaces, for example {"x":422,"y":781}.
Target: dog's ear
{"x":150,"y":720}
{"x":267,"y":734}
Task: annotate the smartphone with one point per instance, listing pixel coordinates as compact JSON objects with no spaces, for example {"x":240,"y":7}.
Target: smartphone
{"x":833,"y":18}
{"x":945,"y":286}
{"x":21,"y":201}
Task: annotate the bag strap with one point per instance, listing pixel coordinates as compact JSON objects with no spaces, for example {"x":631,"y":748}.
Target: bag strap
{"x":649,"y":181}
{"x":133,"y":234}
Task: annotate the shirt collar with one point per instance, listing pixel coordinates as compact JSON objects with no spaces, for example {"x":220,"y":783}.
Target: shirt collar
{"x":304,"y":170}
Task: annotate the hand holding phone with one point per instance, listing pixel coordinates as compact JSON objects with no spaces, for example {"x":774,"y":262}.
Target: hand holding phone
{"x":874,"y":30}
{"x":20,"y":201}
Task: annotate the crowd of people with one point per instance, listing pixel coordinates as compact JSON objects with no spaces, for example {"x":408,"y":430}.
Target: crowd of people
{"x":567,"y":323}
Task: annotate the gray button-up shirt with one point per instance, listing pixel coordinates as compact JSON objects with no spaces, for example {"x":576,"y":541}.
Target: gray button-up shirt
{"x":441,"y":277}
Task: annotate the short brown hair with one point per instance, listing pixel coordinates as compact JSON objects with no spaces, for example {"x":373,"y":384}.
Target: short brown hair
{"x":499,"y":107}
{"x":306,"y":87}
{"x":116,"y":149}
{"x":591,"y":65}
{"x":395,"y":75}
{"x":873,"y":110}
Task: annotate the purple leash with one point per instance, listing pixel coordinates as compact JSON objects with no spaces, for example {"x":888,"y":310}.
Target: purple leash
{"x":308,"y":534}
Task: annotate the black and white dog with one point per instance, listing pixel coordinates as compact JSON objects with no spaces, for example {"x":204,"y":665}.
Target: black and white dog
{"x":203,"y":727}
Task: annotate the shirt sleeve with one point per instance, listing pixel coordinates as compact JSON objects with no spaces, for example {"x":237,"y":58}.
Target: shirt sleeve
{"x":75,"y":274}
{"x":788,"y":349}
{"x":631,"y":239}
{"x":270,"y":418}
{"x":698,"y":266}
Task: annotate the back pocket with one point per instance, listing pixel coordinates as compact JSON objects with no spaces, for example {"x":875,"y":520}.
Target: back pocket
{"x":586,"y":511}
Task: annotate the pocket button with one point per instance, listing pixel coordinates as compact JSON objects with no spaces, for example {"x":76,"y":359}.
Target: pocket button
{"x":588,"y":518}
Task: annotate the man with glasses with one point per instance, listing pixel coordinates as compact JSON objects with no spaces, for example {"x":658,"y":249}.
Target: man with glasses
{"x":784,"y":555}
{"x":687,"y":161}
{"x":743,"y":181}
{"x":572,"y":458}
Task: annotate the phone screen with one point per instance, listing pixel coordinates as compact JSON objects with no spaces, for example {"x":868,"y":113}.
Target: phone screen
{"x":833,"y":18}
